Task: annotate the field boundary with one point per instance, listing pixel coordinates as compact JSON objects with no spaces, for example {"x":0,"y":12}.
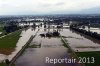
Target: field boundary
{"x":73,"y":52}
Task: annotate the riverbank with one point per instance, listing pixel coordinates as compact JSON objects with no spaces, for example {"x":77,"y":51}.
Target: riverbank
{"x":8,"y":43}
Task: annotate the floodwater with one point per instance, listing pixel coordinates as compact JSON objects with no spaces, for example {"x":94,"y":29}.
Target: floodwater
{"x":50,"y":47}
{"x":96,"y":30}
{"x":23,"y":24}
{"x":25,"y":35}
{"x":79,"y":42}
{"x":0,"y":32}
{"x":47,"y":47}
{"x":92,"y":29}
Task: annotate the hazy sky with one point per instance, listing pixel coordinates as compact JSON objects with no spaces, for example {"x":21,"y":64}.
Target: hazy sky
{"x":21,"y":7}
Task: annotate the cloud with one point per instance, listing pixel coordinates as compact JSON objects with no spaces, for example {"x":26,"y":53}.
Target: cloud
{"x":17,"y":7}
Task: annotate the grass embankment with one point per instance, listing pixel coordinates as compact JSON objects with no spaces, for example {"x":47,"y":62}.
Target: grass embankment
{"x":8,"y":43}
{"x":95,"y":54}
{"x":64,"y":41}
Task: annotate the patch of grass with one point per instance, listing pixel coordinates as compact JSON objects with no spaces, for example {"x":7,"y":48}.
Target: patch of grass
{"x":35,"y":46}
{"x":10,"y":40}
{"x":1,"y":29}
{"x":64,"y":36}
{"x":95,"y":54}
{"x":2,"y":64}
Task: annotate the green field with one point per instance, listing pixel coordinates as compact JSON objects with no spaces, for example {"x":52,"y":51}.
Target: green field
{"x":10,"y":40}
{"x":95,"y":54}
{"x":0,"y":64}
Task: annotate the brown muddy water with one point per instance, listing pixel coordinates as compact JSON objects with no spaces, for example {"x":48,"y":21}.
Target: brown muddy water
{"x":42,"y":47}
{"x":48,"y":47}
{"x":80,"y":42}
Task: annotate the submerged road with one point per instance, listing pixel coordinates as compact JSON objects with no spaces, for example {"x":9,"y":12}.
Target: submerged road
{"x":42,"y":52}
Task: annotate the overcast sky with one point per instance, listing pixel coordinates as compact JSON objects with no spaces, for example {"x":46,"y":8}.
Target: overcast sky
{"x":31,"y":7}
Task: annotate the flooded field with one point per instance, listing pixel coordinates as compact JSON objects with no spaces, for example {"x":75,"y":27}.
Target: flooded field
{"x":42,"y":47}
{"x":94,"y":29}
{"x":79,"y":42}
